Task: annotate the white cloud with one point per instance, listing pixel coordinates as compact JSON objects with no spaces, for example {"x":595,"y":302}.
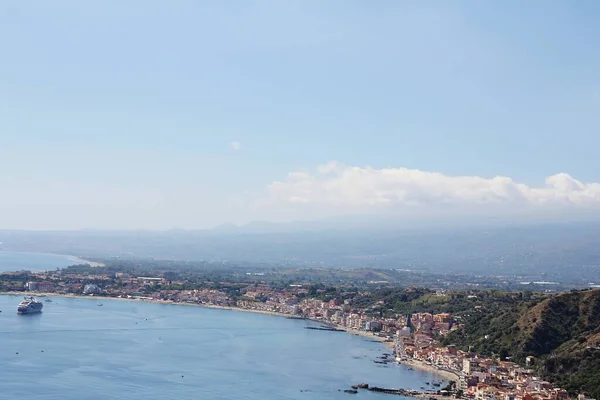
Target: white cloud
{"x":338,"y":187}
{"x":236,"y":145}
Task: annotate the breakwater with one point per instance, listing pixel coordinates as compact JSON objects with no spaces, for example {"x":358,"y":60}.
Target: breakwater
{"x":314,"y":328}
{"x":399,"y":392}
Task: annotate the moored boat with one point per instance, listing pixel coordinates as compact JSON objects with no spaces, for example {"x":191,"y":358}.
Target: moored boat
{"x":30,"y":305}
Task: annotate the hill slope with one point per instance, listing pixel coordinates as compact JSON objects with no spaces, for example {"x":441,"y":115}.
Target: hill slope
{"x":562,"y":332}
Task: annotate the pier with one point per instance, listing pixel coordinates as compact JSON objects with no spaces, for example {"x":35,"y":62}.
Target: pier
{"x":436,"y":395}
{"x":324,"y":329}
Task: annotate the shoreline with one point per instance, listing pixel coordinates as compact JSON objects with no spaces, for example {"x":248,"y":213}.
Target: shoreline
{"x":423,"y":366}
{"x":75,"y":259}
{"x":145,"y":300}
{"x":369,"y":335}
{"x":416,"y":364}
{"x":411,"y":362}
{"x":80,"y":260}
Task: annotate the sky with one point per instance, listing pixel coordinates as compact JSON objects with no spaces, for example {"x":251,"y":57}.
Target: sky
{"x":191,"y":114}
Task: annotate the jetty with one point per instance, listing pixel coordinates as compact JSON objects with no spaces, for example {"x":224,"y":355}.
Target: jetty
{"x":430,"y":395}
{"x":314,"y":328}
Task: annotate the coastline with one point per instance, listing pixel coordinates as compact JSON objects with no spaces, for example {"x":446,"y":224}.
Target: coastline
{"x":156,"y":301}
{"x":74,"y":259}
{"x":80,"y":260}
{"x":416,"y":364}
{"x":369,"y":335}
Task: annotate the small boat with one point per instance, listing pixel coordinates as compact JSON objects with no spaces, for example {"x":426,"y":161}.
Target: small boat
{"x":99,"y":304}
{"x":48,"y":300}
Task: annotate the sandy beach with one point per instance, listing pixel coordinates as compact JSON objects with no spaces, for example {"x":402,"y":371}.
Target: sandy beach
{"x":74,"y":259}
{"x":369,"y":335}
{"x":448,"y":375}
{"x":78,"y":260}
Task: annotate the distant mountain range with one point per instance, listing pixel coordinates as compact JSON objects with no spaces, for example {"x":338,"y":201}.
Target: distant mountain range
{"x":547,"y":252}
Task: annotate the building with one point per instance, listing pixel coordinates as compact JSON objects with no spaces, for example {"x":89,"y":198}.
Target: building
{"x":373,"y":326}
{"x":405,"y":332}
{"x":40,"y":286}
{"x":467,"y":366}
{"x":529,"y":360}
{"x":92,"y":289}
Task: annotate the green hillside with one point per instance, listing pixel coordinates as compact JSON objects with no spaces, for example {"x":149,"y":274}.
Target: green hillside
{"x":561,"y":331}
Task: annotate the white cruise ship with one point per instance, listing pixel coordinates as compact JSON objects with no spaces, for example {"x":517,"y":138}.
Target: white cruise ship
{"x":30,"y":306}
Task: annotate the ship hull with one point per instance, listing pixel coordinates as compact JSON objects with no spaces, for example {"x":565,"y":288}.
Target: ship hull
{"x":24,"y":312}
{"x":30,"y":307}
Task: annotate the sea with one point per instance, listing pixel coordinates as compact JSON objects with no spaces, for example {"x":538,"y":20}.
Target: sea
{"x":17,"y":261}
{"x":116,"y":349}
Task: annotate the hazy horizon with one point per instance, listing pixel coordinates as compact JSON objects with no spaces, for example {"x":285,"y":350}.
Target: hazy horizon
{"x":358,"y":222}
{"x":149,"y":115}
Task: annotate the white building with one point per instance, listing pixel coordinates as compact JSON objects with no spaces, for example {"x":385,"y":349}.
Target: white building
{"x":92,"y":289}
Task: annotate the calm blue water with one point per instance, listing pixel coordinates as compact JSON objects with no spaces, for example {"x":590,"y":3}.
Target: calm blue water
{"x":134,"y":350}
{"x":13,"y":261}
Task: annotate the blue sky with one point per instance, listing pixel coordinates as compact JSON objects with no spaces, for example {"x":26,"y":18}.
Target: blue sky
{"x":122,"y":114}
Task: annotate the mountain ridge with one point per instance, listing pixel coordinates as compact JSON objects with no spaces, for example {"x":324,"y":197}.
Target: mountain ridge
{"x":561,"y":331}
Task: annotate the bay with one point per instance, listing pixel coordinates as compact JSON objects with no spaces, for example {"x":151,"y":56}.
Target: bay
{"x":142,"y":350}
{"x":17,"y":261}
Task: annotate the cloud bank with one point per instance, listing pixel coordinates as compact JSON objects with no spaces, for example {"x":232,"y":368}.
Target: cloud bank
{"x":340,"y":187}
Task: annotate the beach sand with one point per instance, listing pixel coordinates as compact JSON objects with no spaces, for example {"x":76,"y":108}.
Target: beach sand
{"x":448,"y":375}
{"x":370,"y":335}
{"x":78,"y":260}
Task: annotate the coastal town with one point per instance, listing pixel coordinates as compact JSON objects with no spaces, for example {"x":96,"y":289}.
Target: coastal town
{"x":414,"y":339}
